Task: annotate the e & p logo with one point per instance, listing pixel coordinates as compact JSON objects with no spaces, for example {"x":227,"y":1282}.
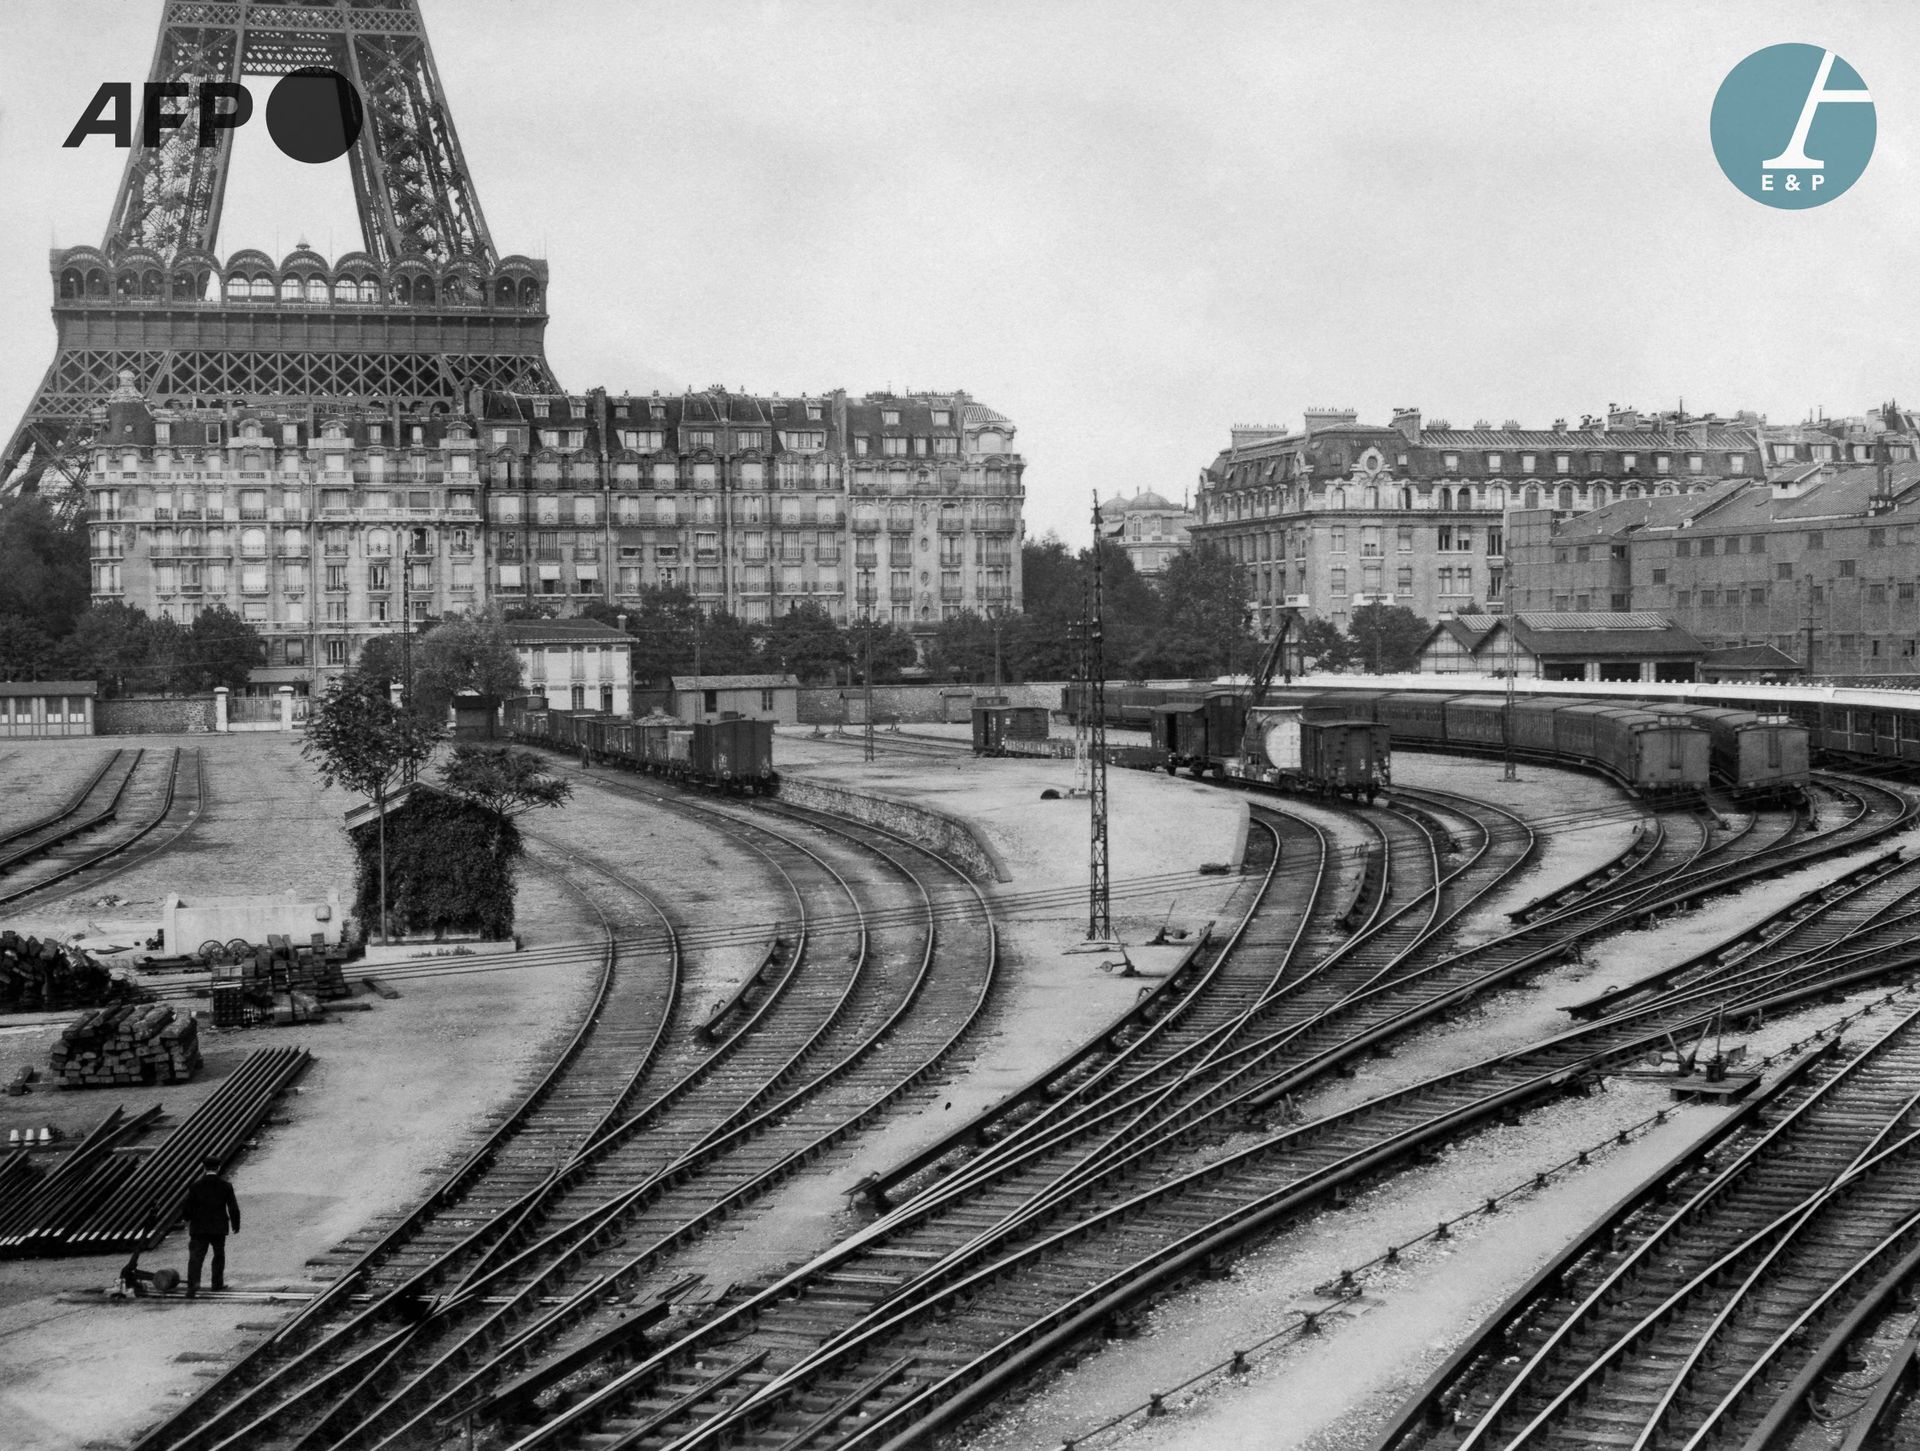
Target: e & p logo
{"x":1793,"y":126}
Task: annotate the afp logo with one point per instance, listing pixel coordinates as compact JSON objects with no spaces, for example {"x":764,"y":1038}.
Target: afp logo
{"x":313,"y":114}
{"x":1793,"y":126}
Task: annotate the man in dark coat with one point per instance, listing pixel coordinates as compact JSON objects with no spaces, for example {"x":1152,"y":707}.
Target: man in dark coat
{"x":210,"y":1208}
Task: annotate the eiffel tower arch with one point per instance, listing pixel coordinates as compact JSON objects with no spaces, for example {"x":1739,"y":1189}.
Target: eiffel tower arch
{"x":425,"y":311}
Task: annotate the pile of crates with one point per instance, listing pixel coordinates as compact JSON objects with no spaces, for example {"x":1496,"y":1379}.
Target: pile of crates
{"x":126,"y":1045}
{"x":279,"y":983}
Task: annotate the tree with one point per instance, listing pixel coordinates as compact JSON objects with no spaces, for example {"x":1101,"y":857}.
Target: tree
{"x":358,"y":738}
{"x":221,"y":649}
{"x":380,"y":659}
{"x":1055,"y":590}
{"x":806,"y":642}
{"x":1323,"y":647}
{"x":503,"y":779}
{"x":673,"y":635}
{"x":112,"y":643}
{"x":463,"y":655}
{"x":1204,"y":600}
{"x":1387,"y":638}
{"x":888,"y":648}
{"x":43,"y":567}
{"x":27,"y":652}
{"x":962,"y":649}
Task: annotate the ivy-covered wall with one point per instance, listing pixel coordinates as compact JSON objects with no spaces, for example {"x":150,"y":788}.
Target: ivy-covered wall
{"x":450,"y":868}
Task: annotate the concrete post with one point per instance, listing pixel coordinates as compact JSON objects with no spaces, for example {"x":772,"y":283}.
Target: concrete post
{"x":220,"y":693}
{"x":285,"y":694}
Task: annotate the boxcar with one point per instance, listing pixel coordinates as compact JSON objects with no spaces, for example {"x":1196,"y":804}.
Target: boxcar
{"x":1749,"y":753}
{"x":1180,"y":735}
{"x":1225,"y":715}
{"x":734,"y":754}
{"x":1476,"y":720}
{"x":1286,"y":746}
{"x":1649,"y":751}
{"x":1346,"y":757}
{"x":1412,"y":715}
{"x":1533,"y":723}
{"x":996,"y":725}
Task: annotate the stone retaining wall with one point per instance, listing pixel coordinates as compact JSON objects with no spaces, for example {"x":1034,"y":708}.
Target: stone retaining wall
{"x":945,"y":834}
{"x":154,"y":715}
{"x":921,"y":703}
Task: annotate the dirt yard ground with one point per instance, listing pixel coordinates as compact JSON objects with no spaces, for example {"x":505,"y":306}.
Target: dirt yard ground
{"x":399,"y":1090}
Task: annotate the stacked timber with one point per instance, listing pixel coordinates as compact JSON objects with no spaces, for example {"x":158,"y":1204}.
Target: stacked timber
{"x":129,"y":1044}
{"x":36,"y":974}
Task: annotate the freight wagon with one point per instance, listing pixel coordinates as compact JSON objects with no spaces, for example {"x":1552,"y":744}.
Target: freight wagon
{"x":1751,"y":754}
{"x":732,"y":754}
{"x":998,"y":728}
{"x":1284,"y":746}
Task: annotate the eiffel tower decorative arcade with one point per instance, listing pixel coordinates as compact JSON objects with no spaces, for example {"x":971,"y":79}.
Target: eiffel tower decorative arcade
{"x":424,"y":312}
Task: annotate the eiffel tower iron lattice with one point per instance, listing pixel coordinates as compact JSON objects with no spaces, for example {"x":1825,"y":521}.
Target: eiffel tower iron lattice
{"x":426,"y":311}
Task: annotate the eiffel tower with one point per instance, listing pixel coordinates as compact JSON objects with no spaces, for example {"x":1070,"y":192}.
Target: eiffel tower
{"x":425,"y":312}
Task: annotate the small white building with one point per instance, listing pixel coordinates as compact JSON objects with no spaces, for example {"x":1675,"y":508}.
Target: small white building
{"x":759,"y":697}
{"x":576,"y":664}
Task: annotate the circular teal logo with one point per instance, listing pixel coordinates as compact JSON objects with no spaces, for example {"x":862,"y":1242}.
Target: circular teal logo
{"x":1793,"y":126}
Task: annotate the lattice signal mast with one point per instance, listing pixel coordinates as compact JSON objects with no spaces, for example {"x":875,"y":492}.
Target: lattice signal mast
{"x":424,"y":312}
{"x":1099,"y":900}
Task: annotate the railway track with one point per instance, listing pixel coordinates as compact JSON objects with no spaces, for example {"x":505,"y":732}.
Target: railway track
{"x":133,"y":794}
{"x":830,"y":1028}
{"x":884,"y":1371}
{"x":1693,"y":1326}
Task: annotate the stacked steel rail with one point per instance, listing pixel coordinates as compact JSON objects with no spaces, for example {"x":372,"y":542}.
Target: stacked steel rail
{"x":99,"y":1202}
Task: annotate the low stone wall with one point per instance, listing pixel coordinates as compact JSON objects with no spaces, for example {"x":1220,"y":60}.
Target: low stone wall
{"x":943,"y":833}
{"x":922,"y":703}
{"x":154,"y":715}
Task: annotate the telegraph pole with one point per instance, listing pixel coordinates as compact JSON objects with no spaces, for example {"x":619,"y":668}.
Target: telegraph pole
{"x":1809,"y":627}
{"x":1506,"y":732}
{"x":866,"y":675}
{"x":406,"y":624}
{"x":1099,"y":908}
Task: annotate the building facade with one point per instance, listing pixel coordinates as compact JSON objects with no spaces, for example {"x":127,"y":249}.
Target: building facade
{"x":1596,"y":645}
{"x":327,"y":522}
{"x":1149,"y":528}
{"x":1337,"y":514}
{"x":575,"y":664}
{"x":1820,"y":561}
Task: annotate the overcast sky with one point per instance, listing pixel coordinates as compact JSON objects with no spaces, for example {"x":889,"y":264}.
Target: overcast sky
{"x":1125,"y":226}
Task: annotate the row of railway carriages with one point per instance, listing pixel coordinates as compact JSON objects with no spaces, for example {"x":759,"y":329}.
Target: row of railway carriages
{"x":1659,"y":748}
{"x":733,"y":754}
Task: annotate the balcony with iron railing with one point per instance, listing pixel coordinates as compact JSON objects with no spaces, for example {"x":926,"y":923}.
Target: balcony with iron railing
{"x":866,"y":526}
{"x":900,"y":595}
{"x":953,"y":524}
